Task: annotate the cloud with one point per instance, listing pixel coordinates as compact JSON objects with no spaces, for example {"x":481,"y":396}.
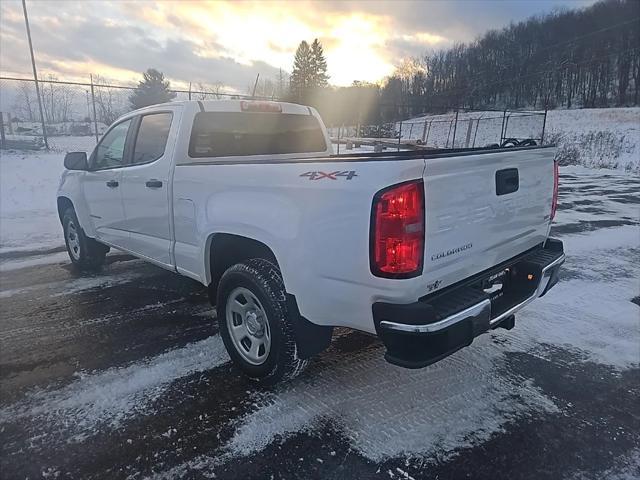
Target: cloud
{"x":119,"y":51}
{"x":231,"y":42}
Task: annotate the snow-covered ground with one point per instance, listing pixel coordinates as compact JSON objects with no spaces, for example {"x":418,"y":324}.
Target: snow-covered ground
{"x":599,"y":137}
{"x":28,"y":212}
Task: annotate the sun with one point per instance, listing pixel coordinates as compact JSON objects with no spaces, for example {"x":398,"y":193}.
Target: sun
{"x":270,"y":32}
{"x":356,"y":51}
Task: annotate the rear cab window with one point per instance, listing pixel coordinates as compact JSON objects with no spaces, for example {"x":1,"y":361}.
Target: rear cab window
{"x":226,"y":134}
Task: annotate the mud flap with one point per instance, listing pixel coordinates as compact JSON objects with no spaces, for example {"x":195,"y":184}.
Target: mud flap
{"x":311,"y":339}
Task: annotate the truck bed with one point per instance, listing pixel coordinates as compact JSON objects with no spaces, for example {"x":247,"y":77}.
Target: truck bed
{"x":370,"y":157}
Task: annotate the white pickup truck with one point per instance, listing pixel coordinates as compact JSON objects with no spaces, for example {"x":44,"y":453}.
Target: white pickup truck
{"x":426,"y":249}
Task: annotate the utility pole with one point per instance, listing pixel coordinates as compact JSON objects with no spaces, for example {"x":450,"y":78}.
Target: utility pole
{"x":455,"y":127}
{"x":93,"y":100}
{"x":255,"y":85}
{"x":2,"y":138}
{"x":544,"y":124}
{"x":35,"y":75}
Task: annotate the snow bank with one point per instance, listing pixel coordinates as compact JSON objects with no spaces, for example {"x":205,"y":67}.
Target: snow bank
{"x":28,"y":212}
{"x":599,"y":137}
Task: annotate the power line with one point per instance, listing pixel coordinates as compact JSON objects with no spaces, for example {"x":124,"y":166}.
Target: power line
{"x":124,"y":87}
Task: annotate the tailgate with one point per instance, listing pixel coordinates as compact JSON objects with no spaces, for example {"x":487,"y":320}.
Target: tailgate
{"x":483,"y":209}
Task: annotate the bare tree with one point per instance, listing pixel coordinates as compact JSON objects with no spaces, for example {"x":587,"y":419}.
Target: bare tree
{"x":25,"y":101}
{"x":57,"y":100}
{"x":282,"y":84}
{"x":209,"y":91}
{"x":109,"y":101}
{"x":265,"y":87}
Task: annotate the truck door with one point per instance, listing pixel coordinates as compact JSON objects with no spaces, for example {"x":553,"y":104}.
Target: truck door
{"x":102,"y":185}
{"x":146,"y":187}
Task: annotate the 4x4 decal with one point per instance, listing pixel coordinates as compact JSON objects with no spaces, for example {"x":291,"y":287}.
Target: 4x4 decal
{"x":348,"y":175}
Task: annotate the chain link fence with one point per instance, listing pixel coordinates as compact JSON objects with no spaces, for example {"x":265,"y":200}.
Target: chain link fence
{"x":75,"y":114}
{"x":461,"y":129}
{"x":471,"y":129}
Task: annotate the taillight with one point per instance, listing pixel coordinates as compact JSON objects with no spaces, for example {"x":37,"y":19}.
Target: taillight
{"x":397,"y":231}
{"x":554,"y":201}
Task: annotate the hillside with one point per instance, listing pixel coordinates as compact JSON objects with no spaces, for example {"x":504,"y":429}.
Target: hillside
{"x":570,"y":58}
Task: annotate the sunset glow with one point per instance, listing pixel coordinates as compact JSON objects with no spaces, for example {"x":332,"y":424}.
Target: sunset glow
{"x":354,"y":44}
{"x":229,"y":43}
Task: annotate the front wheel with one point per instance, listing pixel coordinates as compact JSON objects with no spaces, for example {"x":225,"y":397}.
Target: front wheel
{"x":255,"y":324}
{"x":85,"y":253}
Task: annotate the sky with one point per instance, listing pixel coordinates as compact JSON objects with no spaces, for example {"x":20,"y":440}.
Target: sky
{"x":229,"y":43}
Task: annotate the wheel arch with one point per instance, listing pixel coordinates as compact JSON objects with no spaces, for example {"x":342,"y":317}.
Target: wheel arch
{"x":226,"y":249}
{"x":63,"y":204}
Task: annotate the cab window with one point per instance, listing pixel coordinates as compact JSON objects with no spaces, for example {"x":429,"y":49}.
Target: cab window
{"x":110,"y":151}
{"x":151,"y":140}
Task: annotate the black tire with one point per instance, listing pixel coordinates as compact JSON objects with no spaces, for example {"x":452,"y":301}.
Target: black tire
{"x":510,"y":142}
{"x":264,"y":280}
{"x":85,"y":253}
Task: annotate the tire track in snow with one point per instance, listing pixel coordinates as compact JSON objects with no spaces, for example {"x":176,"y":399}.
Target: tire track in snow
{"x":78,"y":285}
{"x":108,"y":398}
{"x":386,"y":411}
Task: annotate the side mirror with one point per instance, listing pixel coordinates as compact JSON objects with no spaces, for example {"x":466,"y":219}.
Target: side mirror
{"x":76,"y":161}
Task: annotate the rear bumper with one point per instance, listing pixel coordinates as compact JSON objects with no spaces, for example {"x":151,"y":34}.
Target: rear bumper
{"x":424,"y":332}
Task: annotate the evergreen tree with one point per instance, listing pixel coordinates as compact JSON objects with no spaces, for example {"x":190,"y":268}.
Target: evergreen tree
{"x":151,"y":90}
{"x":318,"y":65}
{"x":309,"y":71}
{"x":301,"y":75}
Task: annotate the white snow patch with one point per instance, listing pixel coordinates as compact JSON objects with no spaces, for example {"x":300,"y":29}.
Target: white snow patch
{"x":599,"y":321}
{"x":77,"y":285}
{"x":386,"y":411}
{"x":28,"y":209}
{"x":32,"y":261}
{"x":110,"y":397}
{"x":598,"y":241}
{"x":100,"y":281}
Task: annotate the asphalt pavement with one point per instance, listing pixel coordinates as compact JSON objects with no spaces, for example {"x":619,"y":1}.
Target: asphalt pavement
{"x":122,"y":374}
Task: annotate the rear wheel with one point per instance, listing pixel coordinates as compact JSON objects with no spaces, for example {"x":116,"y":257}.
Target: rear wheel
{"x":255,"y":323}
{"x":85,"y":253}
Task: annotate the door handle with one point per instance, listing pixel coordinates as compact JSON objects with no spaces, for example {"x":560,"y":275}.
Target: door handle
{"x":153,"y":183}
{"x":112,"y":184}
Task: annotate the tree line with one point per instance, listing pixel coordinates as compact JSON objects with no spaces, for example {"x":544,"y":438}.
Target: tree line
{"x":583,"y":58}
{"x":577,"y":58}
